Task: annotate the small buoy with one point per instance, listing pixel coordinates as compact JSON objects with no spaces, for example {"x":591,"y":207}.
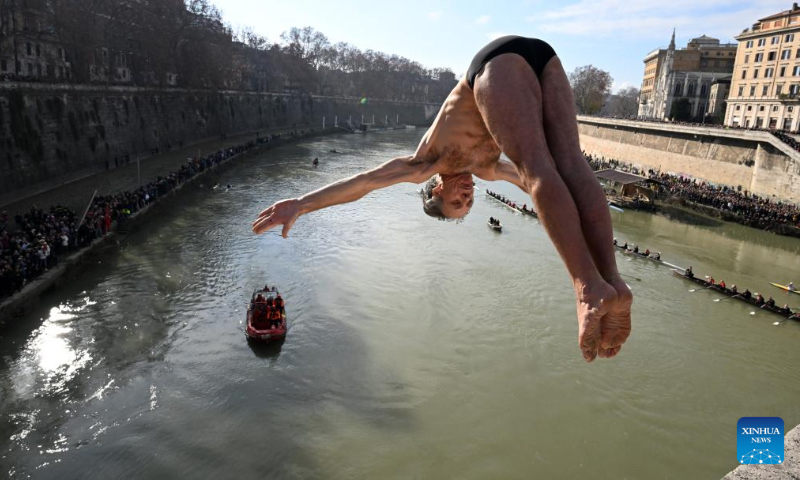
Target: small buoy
{"x":777,"y":323}
{"x":752,"y":313}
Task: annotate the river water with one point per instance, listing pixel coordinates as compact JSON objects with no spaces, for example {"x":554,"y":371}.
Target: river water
{"x":417,"y":349}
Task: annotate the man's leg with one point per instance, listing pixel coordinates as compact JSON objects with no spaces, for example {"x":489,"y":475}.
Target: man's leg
{"x":561,"y":132}
{"x":509,"y":97}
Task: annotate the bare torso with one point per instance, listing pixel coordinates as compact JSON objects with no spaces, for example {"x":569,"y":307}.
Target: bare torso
{"x":458,"y":141}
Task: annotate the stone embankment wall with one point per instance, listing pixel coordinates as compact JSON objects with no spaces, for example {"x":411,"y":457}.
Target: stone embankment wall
{"x":50,"y":131}
{"x":789,"y":469}
{"x":757,"y":161}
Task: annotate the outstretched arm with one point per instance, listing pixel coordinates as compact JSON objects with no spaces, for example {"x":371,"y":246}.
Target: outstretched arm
{"x":286,"y":212}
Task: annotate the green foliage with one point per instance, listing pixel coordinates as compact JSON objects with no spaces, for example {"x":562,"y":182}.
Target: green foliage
{"x":681,"y":110}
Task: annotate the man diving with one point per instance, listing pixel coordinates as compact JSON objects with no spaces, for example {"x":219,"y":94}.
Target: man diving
{"x":516,"y":99}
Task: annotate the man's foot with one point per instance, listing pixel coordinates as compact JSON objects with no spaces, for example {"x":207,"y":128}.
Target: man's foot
{"x":604,"y":318}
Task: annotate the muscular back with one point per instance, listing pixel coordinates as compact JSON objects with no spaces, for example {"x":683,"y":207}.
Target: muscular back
{"x":458,"y":140}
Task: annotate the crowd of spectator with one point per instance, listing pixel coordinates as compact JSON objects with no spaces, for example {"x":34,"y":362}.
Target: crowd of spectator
{"x":36,"y":241}
{"x":734,"y":203}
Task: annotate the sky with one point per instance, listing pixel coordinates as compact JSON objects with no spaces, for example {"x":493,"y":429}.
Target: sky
{"x":614,"y":35}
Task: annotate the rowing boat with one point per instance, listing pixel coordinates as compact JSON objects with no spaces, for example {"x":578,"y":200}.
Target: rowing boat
{"x":504,"y":203}
{"x":496,"y":228}
{"x":784,"y":287}
{"x":638,"y":254}
{"x":727,"y":292}
{"x":528,"y":212}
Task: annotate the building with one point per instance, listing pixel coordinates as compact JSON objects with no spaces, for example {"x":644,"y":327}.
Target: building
{"x":29,"y":48}
{"x":677,"y":82}
{"x":766,"y":78}
{"x":718,"y":98}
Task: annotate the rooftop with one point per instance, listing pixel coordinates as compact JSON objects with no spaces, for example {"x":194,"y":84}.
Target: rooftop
{"x":623,"y":178}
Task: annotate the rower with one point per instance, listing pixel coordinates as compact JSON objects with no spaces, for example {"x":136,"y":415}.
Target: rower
{"x":747,"y":295}
{"x":790,"y":287}
{"x":689,"y":273}
{"x":733,"y":289}
{"x":722,"y":283}
{"x":615,"y":242}
{"x":759,"y":300}
{"x":647,"y":252}
{"x":636,"y":249}
{"x":626,"y":245}
{"x":657,"y":256}
{"x":771,"y":301}
{"x":711,"y":280}
{"x":491,"y":220}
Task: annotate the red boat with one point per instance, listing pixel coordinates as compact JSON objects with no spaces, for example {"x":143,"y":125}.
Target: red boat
{"x":260,"y":328}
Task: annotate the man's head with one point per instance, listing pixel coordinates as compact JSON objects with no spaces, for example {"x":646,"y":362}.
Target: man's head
{"x":448,"y":196}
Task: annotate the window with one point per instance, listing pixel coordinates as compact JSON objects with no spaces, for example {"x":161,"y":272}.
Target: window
{"x":691,"y":89}
{"x":3,"y":64}
{"x":747,"y":59}
{"x":778,"y":89}
{"x":775,"y":40}
{"x":789,"y":37}
{"x":678,"y":88}
{"x":762,"y":42}
{"x":749,"y":44}
{"x":787,"y":123}
{"x":790,"y":109}
{"x":30,"y":68}
{"x":61,"y":53}
{"x":744,"y":74}
{"x":793,"y":89}
{"x":761,"y":108}
{"x":738,"y":107}
{"x":769,"y":72}
{"x":39,"y":69}
{"x":782,"y":72}
{"x":749,"y":108}
{"x":774,"y":108}
{"x":755,"y":73}
{"x":796,"y":70}
{"x":61,"y":71}
{"x":28,"y":47}
{"x":38,"y":50}
{"x":786,"y":55}
{"x":759,"y":57}
{"x":771,"y":56}
{"x":741,"y":91}
{"x":703,"y":90}
{"x":752,"y":90}
{"x":765,"y":91}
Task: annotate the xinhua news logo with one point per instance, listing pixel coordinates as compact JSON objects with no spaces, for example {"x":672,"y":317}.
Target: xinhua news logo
{"x":759,"y":440}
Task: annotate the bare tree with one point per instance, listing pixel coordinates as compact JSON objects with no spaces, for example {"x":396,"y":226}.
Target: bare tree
{"x":623,"y":104}
{"x":590,"y":86}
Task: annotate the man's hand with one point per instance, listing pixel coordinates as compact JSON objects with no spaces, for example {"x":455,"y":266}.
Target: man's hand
{"x":604,"y":319}
{"x":283,"y":213}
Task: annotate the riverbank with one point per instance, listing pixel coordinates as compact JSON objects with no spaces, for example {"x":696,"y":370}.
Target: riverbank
{"x":727,"y":216}
{"x":789,"y":469}
{"x":113,"y":182}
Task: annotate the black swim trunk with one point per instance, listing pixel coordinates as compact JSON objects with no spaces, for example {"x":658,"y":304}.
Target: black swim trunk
{"x":536,"y":52}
